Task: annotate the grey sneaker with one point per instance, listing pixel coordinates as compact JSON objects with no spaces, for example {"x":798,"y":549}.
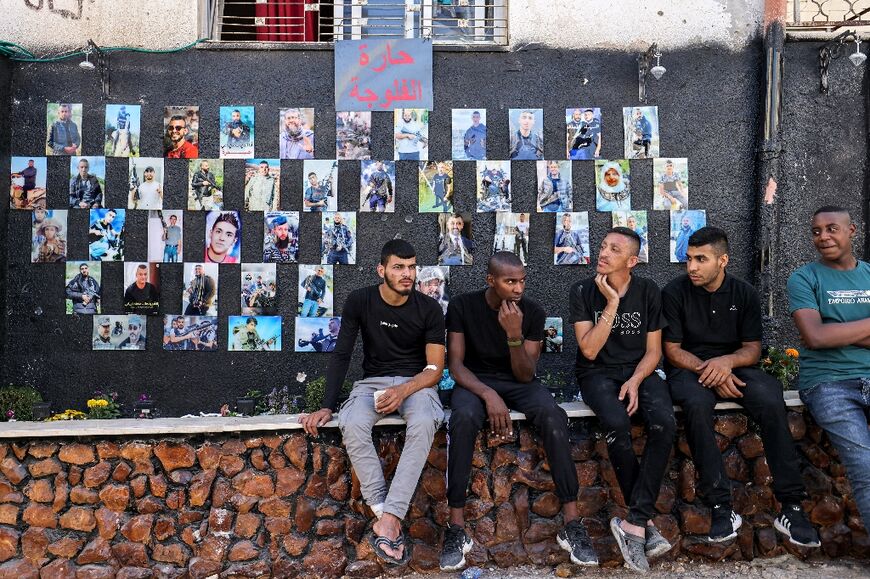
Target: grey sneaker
{"x":656,"y":544}
{"x":631,"y":547}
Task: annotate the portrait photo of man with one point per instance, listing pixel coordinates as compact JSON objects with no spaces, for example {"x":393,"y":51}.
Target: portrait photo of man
{"x":296,"y":134}
{"x":281,"y":237}
{"x":237,"y":132}
{"x":64,"y":125}
{"x":181,"y":132}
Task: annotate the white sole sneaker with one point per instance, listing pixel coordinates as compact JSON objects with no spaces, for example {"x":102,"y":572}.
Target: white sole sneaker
{"x":567,"y":547}
{"x":466,"y":547}
{"x":779,"y":527}
{"x":735,"y":524}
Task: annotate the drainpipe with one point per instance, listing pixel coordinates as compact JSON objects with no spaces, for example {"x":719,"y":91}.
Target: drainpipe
{"x":768,"y":165}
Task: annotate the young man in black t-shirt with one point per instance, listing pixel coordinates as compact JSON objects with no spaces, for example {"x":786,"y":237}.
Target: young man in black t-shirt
{"x":494,"y":342}
{"x":617,"y":318}
{"x":712,"y":346}
{"x":403,"y":356}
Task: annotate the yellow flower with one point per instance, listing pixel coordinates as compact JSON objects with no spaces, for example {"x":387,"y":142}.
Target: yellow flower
{"x":791,"y":352}
{"x":97,"y":403}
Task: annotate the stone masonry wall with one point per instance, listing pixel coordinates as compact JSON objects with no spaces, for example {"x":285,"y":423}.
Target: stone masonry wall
{"x":285,"y":505}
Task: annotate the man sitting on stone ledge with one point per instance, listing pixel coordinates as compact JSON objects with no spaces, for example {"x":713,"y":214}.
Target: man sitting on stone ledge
{"x":493,"y":346}
{"x":712,"y":347}
{"x":617,"y":317}
{"x":830,"y":303}
{"x":403,"y":358}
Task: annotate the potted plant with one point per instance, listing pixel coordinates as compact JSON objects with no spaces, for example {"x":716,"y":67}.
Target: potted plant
{"x":19,"y":401}
{"x":41,"y":410}
{"x":246,"y":404}
{"x":144,"y":407}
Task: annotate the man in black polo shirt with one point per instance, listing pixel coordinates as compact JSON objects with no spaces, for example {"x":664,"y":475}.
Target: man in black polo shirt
{"x":403,"y":358}
{"x":712,"y":346}
{"x":617,"y":319}
{"x":494,"y":343}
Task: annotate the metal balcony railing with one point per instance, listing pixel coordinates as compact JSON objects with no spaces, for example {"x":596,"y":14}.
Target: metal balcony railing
{"x":446,"y":22}
{"x":827,"y":15}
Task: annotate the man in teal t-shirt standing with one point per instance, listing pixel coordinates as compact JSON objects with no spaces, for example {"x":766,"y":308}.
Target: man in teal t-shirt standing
{"x":830,"y":303}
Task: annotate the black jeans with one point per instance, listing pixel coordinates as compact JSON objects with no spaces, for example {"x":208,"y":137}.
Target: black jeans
{"x":641,"y":481}
{"x":532,"y":399}
{"x":762,"y":400}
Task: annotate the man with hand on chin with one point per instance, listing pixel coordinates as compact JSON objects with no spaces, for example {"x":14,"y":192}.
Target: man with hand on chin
{"x":403,"y":358}
{"x":712,"y":347}
{"x":493,"y":346}
{"x":618,"y":323}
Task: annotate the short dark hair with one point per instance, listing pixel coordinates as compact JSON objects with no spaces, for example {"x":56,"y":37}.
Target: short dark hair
{"x":178,"y":118}
{"x":141,"y":266}
{"x":632,"y":235}
{"x":249,"y":320}
{"x":832,"y":209}
{"x":398,"y":247}
{"x":227,"y":217}
{"x":502,"y":259}
{"x":710,"y":235}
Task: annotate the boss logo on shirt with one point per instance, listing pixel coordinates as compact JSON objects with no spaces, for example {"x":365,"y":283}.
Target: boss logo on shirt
{"x":389,"y":325}
{"x":849,"y":296}
{"x":625,"y":324}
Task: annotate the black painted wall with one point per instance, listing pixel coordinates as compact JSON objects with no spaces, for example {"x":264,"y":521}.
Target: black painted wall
{"x":708,"y":106}
{"x":824,"y":161}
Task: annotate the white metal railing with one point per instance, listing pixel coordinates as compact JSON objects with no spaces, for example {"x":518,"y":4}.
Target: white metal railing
{"x":828,"y":15}
{"x":446,"y":22}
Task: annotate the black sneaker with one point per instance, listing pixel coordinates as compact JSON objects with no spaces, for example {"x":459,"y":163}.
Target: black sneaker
{"x":574,"y":539}
{"x":724,"y":524}
{"x":456,"y":545}
{"x":793,"y":523}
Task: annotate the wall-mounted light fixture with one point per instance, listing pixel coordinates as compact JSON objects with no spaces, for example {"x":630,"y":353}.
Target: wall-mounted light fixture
{"x":100,"y":62}
{"x":835,"y":48}
{"x":645,"y":68}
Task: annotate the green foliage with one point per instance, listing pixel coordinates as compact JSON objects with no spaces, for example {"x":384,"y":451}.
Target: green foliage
{"x":316,"y":389}
{"x":103,"y":406}
{"x":19,"y":400}
{"x":782,"y":364}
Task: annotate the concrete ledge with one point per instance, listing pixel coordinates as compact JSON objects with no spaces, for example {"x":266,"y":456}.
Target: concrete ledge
{"x":220,"y":424}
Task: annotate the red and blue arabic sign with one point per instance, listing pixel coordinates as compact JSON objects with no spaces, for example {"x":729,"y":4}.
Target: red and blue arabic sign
{"x":383,"y":75}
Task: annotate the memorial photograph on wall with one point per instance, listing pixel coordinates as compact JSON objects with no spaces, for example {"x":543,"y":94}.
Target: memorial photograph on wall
{"x":122,"y":129}
{"x":571,"y":243}
{"x":435,"y":187}
{"x":237,"y":132}
{"x":146,"y":183}
{"x":48,"y":241}
{"x":583,"y":133}
{"x":377,"y":183}
{"x":63,"y":129}
{"x":181,"y":132}
{"x":191,"y":333}
{"x":296,"y":133}
{"x":641,"y":131}
{"x":27,"y":186}
{"x":493,"y":186}
{"x":455,"y":239}
{"x":254,"y":334}
{"x":206,"y":185}
{"x":317,"y":334}
{"x":612,"y":185}
{"x":468,"y":135}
